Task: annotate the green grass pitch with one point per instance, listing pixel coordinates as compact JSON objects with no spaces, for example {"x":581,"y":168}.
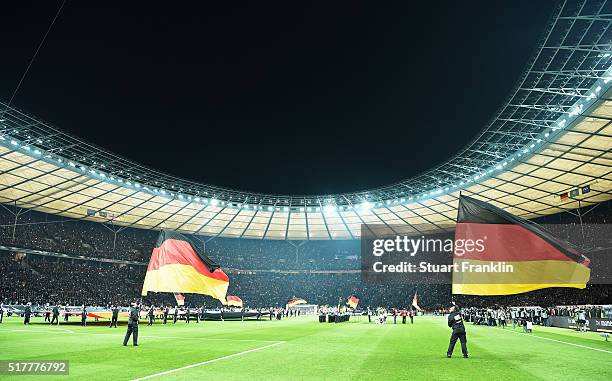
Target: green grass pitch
{"x":302,"y":348}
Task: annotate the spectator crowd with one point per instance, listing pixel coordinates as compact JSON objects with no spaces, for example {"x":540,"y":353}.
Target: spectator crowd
{"x":262,"y":272}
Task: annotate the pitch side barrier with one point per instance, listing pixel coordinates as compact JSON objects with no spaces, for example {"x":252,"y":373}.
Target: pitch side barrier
{"x":231,"y":315}
{"x":592,"y":324}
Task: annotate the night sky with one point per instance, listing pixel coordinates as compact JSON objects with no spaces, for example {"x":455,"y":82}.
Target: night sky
{"x":290,"y":98}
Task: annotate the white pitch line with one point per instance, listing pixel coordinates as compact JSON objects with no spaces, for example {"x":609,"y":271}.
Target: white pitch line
{"x":560,"y":341}
{"x":205,"y":362}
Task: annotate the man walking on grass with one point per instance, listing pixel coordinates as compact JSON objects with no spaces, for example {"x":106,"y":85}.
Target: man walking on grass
{"x":132,"y":329}
{"x":455,"y":321}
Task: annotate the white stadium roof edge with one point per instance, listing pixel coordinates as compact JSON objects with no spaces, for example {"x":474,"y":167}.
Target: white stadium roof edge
{"x":552,"y":135}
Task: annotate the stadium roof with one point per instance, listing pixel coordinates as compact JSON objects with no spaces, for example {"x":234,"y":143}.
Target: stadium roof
{"x":551,"y":136}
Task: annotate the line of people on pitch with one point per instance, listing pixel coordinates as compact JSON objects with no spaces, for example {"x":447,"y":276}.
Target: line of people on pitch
{"x":382,"y":313}
{"x":51,"y":314}
{"x":500,"y":317}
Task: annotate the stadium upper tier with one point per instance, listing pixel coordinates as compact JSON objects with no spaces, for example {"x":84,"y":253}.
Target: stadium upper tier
{"x":550,"y":138}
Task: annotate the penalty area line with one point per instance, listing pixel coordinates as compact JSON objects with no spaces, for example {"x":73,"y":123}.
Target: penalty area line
{"x":560,"y":341}
{"x":206,"y":362}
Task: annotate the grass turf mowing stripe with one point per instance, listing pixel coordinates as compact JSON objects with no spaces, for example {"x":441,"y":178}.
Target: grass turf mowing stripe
{"x":310,"y":350}
{"x":67,"y":331}
{"x":205,"y":362}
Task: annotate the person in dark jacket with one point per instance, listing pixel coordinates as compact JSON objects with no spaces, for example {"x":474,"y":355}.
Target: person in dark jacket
{"x":166,"y":312}
{"x":114,"y":317}
{"x":132,"y":325}
{"x":47,"y":314}
{"x":151,"y":315}
{"x":27,"y":313}
{"x":455,"y":321}
{"x":55,"y":318}
{"x":84,"y":317}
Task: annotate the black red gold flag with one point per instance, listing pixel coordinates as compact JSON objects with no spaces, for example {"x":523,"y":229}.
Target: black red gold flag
{"x":538,"y":259}
{"x":178,"y":266}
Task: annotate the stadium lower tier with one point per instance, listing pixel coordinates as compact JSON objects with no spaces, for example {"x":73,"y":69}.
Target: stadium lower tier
{"x":40,"y":280}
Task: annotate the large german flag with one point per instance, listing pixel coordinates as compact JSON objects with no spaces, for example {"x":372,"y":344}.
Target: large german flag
{"x":106,"y":314}
{"x":179,"y":266}
{"x":538,"y":259}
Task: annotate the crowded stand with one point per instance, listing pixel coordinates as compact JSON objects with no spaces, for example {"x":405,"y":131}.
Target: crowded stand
{"x":262,"y":272}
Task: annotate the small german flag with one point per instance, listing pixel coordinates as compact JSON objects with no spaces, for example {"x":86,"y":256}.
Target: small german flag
{"x":234,"y":301}
{"x":179,"y":266}
{"x":180,"y":299}
{"x":295,"y":302}
{"x":352,"y":302}
{"x":502,"y":241}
